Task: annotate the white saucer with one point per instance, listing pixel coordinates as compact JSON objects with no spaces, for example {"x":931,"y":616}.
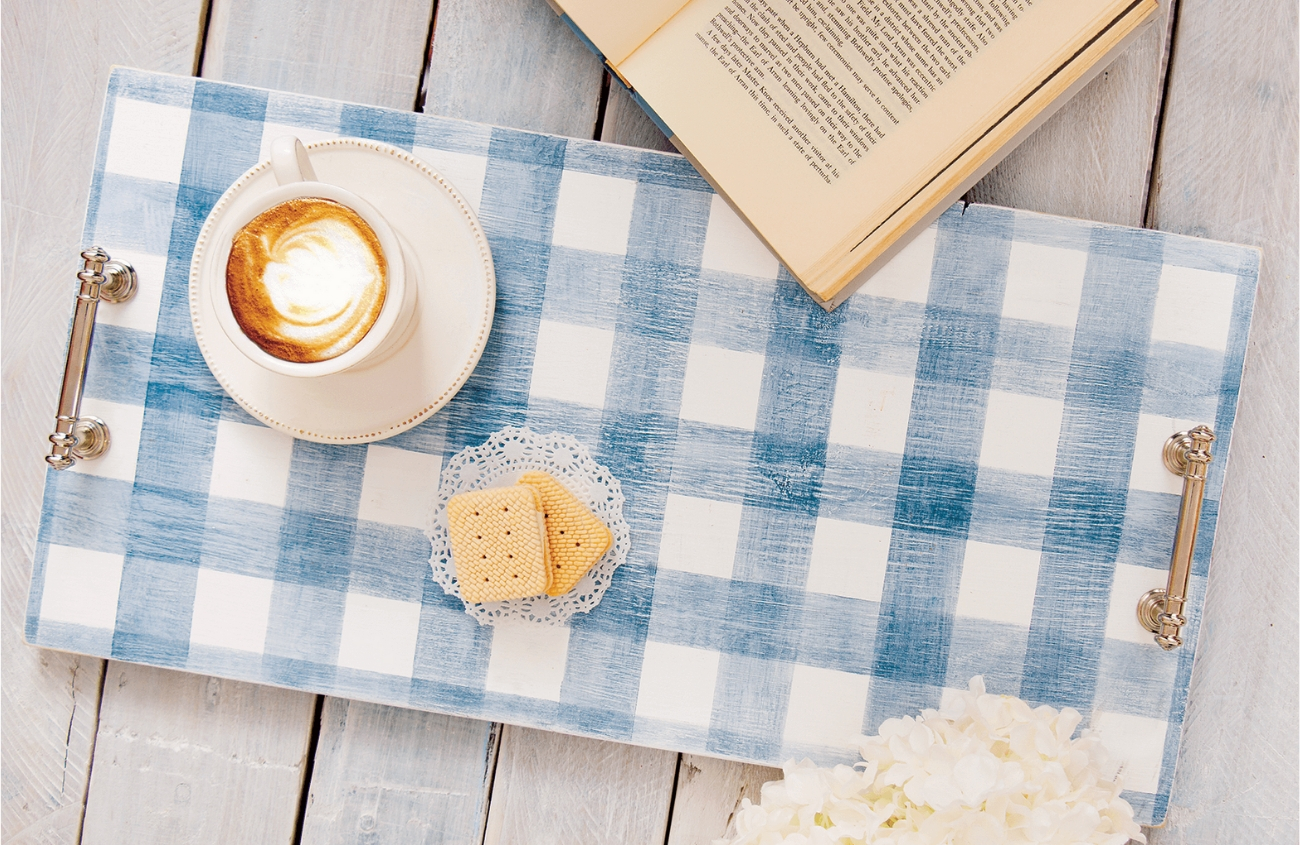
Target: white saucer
{"x":445,"y":249}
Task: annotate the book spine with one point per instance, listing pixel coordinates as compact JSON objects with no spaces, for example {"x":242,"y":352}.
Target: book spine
{"x":613,"y":72}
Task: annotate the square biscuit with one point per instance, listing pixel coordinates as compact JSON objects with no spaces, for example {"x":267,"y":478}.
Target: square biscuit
{"x":498,"y":543}
{"x":575,"y":537}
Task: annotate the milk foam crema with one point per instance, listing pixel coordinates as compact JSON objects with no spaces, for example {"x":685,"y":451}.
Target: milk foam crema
{"x":306,"y":279}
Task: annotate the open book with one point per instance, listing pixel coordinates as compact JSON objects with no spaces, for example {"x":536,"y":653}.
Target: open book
{"x":836,"y":127}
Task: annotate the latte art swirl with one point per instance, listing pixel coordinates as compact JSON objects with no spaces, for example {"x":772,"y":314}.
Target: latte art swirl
{"x":306,"y":279}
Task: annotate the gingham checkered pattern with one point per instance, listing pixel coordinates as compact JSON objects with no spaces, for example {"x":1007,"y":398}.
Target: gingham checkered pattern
{"x":835,"y":517}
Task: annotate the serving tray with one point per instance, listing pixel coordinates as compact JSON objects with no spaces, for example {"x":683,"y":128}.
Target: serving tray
{"x":835,"y":517}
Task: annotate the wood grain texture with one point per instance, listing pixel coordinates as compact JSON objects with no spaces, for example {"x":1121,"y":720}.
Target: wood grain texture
{"x":56,"y":60}
{"x":400,"y":777}
{"x":188,"y":758}
{"x":1092,"y":159}
{"x":368,"y":53}
{"x":513,"y":63}
{"x":550,"y":788}
{"x":1227,"y":170}
{"x":626,"y":123}
{"x":709,"y":792}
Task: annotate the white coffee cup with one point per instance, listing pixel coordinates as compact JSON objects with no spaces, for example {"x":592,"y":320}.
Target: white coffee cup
{"x":397,"y":316}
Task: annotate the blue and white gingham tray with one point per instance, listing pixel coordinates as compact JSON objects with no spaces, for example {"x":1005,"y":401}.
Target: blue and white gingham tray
{"x":835,"y":517}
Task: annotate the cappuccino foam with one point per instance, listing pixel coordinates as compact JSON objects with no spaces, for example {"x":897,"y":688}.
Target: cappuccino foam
{"x":306,"y":279}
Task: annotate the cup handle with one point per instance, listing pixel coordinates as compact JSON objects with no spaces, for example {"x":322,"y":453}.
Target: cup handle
{"x":289,"y":161}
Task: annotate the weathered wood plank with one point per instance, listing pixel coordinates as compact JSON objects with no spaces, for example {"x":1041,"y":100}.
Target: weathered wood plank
{"x":187,"y":758}
{"x":398,"y":776}
{"x":625,"y":123}
{"x":310,"y":50}
{"x":380,"y":773}
{"x":554,"y":788}
{"x":1092,"y":159}
{"x":51,"y":703}
{"x":362,"y":52}
{"x":56,"y":59}
{"x":1227,"y":170}
{"x":709,"y":792}
{"x":513,"y":63}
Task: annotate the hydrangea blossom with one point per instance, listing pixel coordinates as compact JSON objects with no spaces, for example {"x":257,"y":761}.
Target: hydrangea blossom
{"x":982,"y":770}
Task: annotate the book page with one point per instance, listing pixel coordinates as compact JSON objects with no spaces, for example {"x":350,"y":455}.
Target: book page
{"x":800,"y":57}
{"x":846,"y":107}
{"x":617,"y":27}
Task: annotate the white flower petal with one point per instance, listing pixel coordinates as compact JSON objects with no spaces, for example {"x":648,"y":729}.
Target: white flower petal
{"x":983,"y":770}
{"x":975,"y":776}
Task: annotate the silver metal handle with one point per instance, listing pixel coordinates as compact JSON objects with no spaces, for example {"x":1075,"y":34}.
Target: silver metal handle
{"x":76,"y":437}
{"x":1186,"y":453}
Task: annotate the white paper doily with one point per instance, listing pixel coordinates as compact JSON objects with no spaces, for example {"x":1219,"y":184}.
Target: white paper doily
{"x":499,"y":462}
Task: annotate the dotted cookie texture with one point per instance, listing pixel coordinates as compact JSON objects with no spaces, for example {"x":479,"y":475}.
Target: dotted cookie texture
{"x":500,"y":461}
{"x":575,"y":538}
{"x":498,"y":543}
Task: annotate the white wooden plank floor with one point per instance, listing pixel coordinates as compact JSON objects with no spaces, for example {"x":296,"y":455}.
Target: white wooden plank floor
{"x":1186,"y":132}
{"x":174,"y":749}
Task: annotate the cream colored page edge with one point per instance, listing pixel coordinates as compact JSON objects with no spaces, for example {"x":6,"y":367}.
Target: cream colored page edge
{"x":831,"y":277}
{"x":618,"y":27}
{"x":800,"y":216}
